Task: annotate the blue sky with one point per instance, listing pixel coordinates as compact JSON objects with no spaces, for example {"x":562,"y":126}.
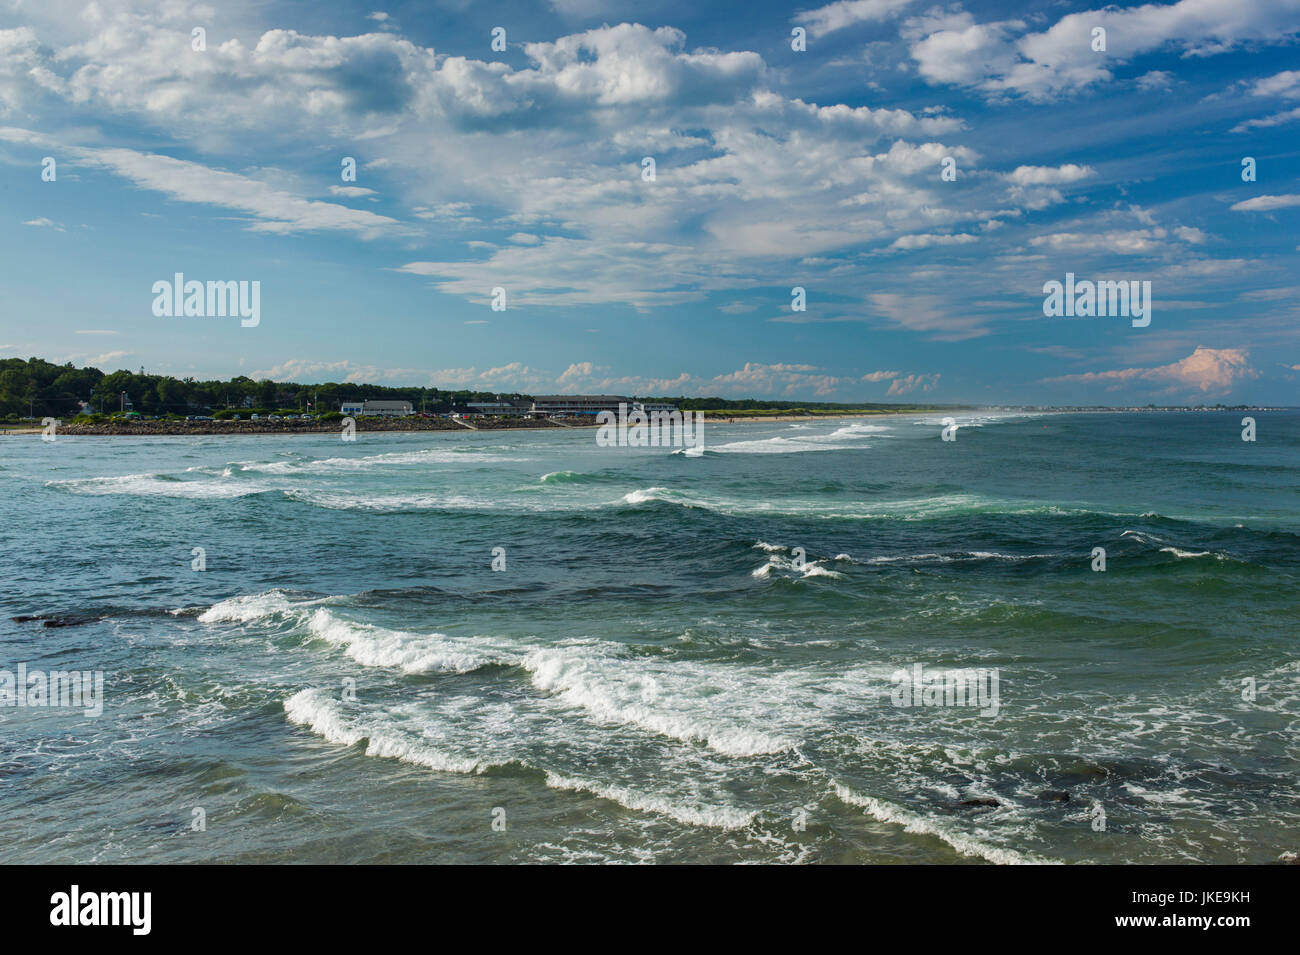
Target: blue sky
{"x":774,"y":168}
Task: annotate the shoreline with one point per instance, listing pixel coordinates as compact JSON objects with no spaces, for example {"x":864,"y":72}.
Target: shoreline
{"x":159,"y":429}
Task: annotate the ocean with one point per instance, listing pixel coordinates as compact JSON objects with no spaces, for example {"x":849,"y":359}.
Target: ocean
{"x":520,"y":647}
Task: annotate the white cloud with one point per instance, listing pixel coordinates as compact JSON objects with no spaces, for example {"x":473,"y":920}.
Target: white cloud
{"x":925,"y":241}
{"x":1048,"y":175}
{"x":999,"y":58}
{"x":1266,"y":203}
{"x":1155,"y":80}
{"x":929,"y":314}
{"x":1206,"y":370}
{"x":351,"y":192}
{"x":1264,"y":122}
{"x":272,"y":210}
{"x":1123,"y":242}
{"x":1285,"y":84}
{"x":846,"y":13}
{"x":910,"y":383}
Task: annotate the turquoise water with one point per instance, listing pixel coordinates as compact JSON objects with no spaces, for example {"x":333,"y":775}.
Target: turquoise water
{"x":656,"y":675}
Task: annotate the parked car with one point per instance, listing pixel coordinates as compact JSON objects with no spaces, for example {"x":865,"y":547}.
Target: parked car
{"x":254,"y":417}
{"x":274,"y":417}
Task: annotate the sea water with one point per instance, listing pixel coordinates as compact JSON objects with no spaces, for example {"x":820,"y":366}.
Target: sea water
{"x":308,"y":656}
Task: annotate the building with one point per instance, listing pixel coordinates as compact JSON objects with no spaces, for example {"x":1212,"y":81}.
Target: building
{"x":384,"y":409}
{"x":578,"y":404}
{"x":509,"y":409}
{"x":388,"y":409}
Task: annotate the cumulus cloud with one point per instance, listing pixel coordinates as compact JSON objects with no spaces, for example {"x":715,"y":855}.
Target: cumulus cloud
{"x":1155,"y":80}
{"x":547,"y":151}
{"x":792,"y":380}
{"x":1048,"y":175}
{"x":1206,"y":370}
{"x":1002,"y":59}
{"x":910,"y":383}
{"x":1285,"y":84}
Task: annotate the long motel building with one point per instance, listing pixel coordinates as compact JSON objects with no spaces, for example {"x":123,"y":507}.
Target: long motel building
{"x":385,"y":409}
{"x":543,"y":406}
{"x":575,"y":405}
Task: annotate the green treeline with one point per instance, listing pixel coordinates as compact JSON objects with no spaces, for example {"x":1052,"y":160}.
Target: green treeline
{"x":36,"y":388}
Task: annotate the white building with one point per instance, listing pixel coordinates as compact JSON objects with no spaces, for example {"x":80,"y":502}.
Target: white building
{"x":506,"y":408}
{"x":384,"y":409}
{"x":388,"y":409}
{"x":578,"y":404}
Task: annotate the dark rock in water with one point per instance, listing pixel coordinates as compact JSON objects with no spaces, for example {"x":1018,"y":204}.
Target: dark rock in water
{"x":1054,"y":795}
{"x":47,"y":620}
{"x":979,"y":802}
{"x":69,"y":621}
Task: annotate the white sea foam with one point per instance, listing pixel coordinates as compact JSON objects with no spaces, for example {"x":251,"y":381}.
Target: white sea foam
{"x":153,"y":485}
{"x":253,"y":607}
{"x":778,"y":445}
{"x":718,"y":817}
{"x":841,"y":439}
{"x":665,"y":700}
{"x":376,"y":461}
{"x":410,"y":652}
{"x":949,"y":558}
{"x":1192,"y":553}
{"x":361,"y":501}
{"x":324,"y":716}
{"x":884,"y":811}
{"x":811,"y":568}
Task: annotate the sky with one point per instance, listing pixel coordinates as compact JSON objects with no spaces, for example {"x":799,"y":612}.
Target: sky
{"x":920,"y":171}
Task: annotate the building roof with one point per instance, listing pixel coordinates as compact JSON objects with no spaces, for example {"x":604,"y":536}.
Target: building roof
{"x":581,"y":398}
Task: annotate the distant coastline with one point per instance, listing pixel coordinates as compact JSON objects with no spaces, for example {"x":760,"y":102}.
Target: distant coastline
{"x":405,"y":425}
{"x":413,"y":424}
